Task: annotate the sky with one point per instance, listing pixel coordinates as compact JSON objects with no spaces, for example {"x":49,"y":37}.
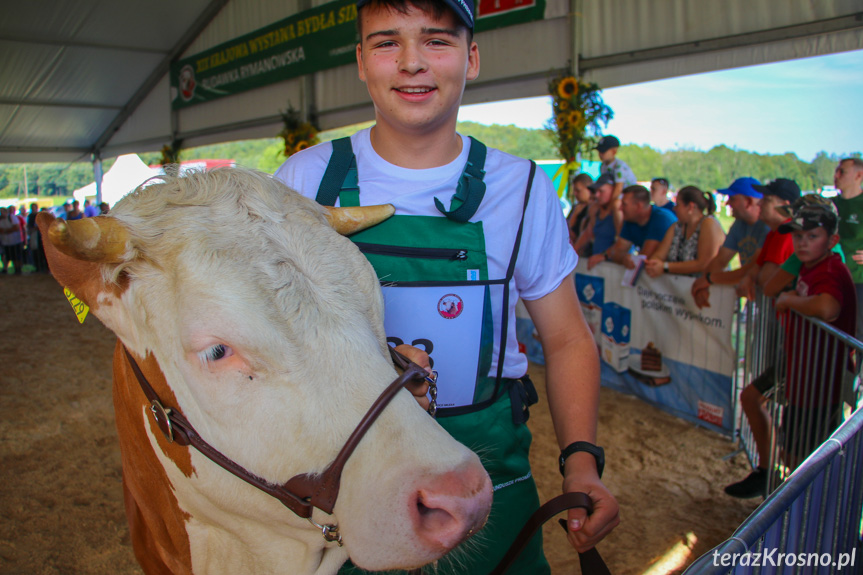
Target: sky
{"x":799,"y":106}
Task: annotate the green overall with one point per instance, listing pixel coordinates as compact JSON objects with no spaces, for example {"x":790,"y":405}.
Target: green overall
{"x":443,"y":259}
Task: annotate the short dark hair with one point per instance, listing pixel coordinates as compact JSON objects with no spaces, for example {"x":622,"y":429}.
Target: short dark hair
{"x":661,"y":181}
{"x":858,"y":163}
{"x":639,"y":193}
{"x":434,"y":8}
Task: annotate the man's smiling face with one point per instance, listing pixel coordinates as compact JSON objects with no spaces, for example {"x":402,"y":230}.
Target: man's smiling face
{"x":415,"y":67}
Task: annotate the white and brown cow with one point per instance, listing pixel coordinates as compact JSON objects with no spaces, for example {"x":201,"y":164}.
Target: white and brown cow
{"x":254,"y":318}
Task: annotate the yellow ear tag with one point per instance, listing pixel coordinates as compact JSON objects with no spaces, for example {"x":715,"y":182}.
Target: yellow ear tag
{"x":81,"y":309}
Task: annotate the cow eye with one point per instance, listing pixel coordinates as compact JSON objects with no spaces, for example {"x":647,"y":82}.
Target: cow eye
{"x":214,"y":353}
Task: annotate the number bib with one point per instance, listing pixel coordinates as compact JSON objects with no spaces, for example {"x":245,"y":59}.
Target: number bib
{"x":447,"y":322}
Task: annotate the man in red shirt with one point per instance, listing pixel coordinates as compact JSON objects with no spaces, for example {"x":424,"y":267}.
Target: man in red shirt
{"x":776,"y":249}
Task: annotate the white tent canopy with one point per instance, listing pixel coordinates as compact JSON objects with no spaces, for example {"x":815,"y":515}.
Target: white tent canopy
{"x":92,"y":80}
{"x":127,"y":173}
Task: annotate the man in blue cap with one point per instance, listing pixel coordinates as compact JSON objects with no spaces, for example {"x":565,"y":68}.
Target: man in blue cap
{"x":745,"y":238}
{"x":415,"y":57}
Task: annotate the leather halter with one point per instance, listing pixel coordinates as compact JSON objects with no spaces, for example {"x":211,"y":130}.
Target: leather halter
{"x":302,"y":493}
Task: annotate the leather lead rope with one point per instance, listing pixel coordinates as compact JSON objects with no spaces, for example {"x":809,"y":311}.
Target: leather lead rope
{"x":591,"y":562}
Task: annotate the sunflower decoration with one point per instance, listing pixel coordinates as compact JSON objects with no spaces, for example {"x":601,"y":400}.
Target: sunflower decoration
{"x":171,"y":156}
{"x":297,"y":134}
{"x":576,"y":126}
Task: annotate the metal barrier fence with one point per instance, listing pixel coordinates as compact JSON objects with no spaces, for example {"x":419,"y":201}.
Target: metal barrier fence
{"x":810,"y":524}
{"x":805,"y":372}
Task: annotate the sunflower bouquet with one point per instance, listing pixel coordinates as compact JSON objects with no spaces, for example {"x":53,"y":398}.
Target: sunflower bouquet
{"x":171,"y":157}
{"x":576,"y":126}
{"x":298,"y":135}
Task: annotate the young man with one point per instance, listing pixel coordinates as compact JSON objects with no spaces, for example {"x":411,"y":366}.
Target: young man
{"x":659,"y":194}
{"x":848,"y":178}
{"x":644,"y":226}
{"x":824,"y":291}
{"x":499,"y":223}
{"x":621,"y":174}
{"x":745,"y":238}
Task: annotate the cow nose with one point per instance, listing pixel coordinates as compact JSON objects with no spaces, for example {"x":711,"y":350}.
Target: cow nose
{"x":452,"y":506}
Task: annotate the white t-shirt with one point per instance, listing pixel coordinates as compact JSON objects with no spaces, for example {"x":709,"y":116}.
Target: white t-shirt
{"x":545,"y":258}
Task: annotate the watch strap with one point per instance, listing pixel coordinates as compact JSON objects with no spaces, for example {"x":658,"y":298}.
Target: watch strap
{"x":597,"y":452}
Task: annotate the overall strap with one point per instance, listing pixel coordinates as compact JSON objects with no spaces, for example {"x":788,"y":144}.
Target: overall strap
{"x":471,"y":188}
{"x":509,"y":273}
{"x":340,"y":178}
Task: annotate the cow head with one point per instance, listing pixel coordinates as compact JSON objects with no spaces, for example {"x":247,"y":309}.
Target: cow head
{"x":263,"y":326}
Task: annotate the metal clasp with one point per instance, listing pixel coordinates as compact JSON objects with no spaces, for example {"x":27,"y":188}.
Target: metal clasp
{"x":432,"y":381}
{"x":330,"y":532}
{"x":160,"y":414}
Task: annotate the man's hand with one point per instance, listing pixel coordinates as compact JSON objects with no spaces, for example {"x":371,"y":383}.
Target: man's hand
{"x":628,"y":262}
{"x":746,"y":287}
{"x":783,"y":300}
{"x":584,"y":531}
{"x":595,"y":260}
{"x":654,"y":268}
{"x":858,"y":257}
{"x":419,"y":389}
{"x":701,"y":292}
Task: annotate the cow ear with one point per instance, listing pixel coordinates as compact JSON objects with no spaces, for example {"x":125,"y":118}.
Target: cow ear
{"x":83,"y":278}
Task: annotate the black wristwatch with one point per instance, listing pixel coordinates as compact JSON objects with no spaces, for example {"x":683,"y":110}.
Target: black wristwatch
{"x":597,"y":452}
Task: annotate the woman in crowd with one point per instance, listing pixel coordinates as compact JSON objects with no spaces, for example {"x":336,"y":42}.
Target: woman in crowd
{"x":693,"y":241}
{"x":577,"y":218}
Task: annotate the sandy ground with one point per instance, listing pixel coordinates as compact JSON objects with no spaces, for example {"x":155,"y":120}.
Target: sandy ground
{"x":61,"y":509}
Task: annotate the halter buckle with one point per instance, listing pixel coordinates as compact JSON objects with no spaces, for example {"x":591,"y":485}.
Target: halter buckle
{"x":161,"y":415}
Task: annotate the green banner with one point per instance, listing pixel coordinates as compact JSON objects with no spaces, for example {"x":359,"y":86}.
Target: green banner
{"x":316,"y":39}
{"x":313,"y":40}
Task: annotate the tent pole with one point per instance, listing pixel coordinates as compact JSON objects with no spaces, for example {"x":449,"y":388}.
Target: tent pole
{"x":97,"y":177}
{"x":575,"y":15}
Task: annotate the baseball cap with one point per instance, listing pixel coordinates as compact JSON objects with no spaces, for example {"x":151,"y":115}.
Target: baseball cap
{"x":601,"y":181}
{"x":606,"y":143}
{"x":813,"y":216}
{"x":801,"y":202}
{"x":782,"y":188}
{"x":742,"y":186}
{"x":463,"y":9}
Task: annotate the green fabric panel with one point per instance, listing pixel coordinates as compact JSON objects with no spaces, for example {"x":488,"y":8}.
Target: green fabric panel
{"x":426,"y":232}
{"x":851,"y":231}
{"x":504,"y":449}
{"x":349,"y":198}
{"x":485,"y":386}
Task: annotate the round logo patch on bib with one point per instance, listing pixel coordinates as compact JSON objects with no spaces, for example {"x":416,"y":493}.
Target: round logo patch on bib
{"x":450,"y":306}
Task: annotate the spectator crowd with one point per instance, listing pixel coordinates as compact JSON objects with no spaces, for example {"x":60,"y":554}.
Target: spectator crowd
{"x":804,"y":250}
{"x":20,"y":239}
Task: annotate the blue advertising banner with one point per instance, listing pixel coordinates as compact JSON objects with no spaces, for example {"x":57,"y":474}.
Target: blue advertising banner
{"x":656,"y":344}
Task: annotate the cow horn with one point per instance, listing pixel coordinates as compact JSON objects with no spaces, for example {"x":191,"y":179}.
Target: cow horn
{"x":100,"y":239}
{"x":350,"y":220}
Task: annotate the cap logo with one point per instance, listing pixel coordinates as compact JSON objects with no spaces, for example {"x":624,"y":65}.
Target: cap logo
{"x":467,"y":10}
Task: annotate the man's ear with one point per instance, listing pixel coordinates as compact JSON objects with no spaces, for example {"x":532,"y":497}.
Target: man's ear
{"x":361,"y":72}
{"x":834,"y":239}
{"x":472,"y":62}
